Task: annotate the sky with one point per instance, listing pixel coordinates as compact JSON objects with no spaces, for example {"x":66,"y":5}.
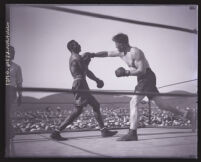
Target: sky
{"x":40,"y":37}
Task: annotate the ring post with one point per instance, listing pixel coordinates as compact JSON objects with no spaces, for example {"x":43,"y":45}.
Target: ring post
{"x":149,"y":103}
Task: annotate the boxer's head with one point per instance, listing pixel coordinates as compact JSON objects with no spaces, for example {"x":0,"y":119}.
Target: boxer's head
{"x":74,"y":46}
{"x":121,"y":41}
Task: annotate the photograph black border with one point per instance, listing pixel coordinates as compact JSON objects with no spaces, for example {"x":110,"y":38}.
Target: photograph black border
{"x":3,"y":4}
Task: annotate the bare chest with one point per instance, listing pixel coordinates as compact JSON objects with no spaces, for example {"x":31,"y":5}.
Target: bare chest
{"x":132,"y":63}
{"x":129,"y":60}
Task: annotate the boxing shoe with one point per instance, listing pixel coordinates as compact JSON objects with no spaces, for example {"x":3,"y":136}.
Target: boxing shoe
{"x":56,"y":136}
{"x":107,"y":133}
{"x":131,"y":136}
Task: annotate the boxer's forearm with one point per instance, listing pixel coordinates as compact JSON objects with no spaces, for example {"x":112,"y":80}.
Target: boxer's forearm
{"x":91,"y":75}
{"x":101,"y":54}
{"x":140,"y":69}
{"x":134,"y":72}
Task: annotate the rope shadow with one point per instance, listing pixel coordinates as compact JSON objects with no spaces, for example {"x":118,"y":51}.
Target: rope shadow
{"x":79,"y":148}
{"x":28,"y":140}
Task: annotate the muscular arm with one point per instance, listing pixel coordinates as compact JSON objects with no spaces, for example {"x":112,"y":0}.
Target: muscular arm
{"x":139,"y":70}
{"x":101,"y":54}
{"x":107,"y":54}
{"x":91,"y":75}
{"x":139,"y":63}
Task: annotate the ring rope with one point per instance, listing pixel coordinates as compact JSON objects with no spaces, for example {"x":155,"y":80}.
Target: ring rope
{"x":106,"y":92}
{"x":96,"y":15}
{"x":177,"y":83}
{"x":71,"y":103}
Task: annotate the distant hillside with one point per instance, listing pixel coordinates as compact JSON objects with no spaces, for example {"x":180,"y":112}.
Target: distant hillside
{"x":29,"y":99}
{"x":181,"y":101}
{"x":112,"y":99}
{"x":59,"y":98}
{"x":69,"y":98}
{"x":180,"y":92}
{"x":27,"y":103}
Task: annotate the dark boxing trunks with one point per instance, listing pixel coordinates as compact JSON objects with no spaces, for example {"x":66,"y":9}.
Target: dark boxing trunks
{"x":83,"y":98}
{"x":147,"y":83}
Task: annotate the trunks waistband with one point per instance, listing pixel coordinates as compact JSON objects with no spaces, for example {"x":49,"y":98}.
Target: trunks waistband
{"x":148,"y":70}
{"x":79,"y":79}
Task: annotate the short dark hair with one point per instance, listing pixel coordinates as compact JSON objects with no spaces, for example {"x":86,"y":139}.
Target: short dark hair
{"x":70,"y":44}
{"x":120,"y":38}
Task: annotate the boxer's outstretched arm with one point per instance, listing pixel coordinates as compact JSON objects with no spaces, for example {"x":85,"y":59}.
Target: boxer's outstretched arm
{"x":101,"y":54}
{"x":106,"y":54}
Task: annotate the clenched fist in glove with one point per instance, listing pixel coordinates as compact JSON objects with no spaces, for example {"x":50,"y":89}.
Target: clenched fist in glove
{"x":122,"y":72}
{"x":100,"y":83}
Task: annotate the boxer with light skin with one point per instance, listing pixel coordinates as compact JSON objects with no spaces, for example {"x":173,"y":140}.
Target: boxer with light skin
{"x":146,"y":81}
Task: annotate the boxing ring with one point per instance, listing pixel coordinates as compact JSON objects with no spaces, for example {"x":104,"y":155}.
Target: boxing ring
{"x":159,"y":142}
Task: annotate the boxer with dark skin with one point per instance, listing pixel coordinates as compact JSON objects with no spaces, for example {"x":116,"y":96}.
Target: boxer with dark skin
{"x":79,"y":69}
